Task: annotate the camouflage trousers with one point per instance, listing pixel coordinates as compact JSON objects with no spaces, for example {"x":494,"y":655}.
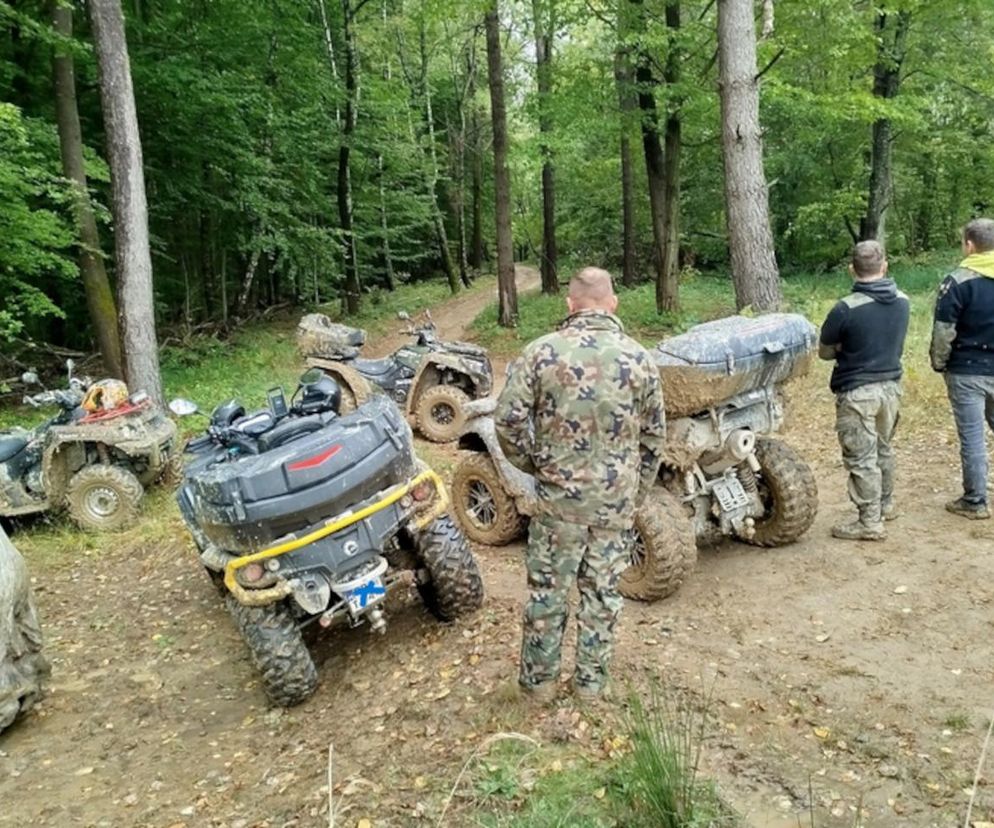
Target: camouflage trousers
{"x":865,"y":420}
{"x":559,"y":553}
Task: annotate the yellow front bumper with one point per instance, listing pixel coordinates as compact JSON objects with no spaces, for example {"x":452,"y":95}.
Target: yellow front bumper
{"x":267,"y":595}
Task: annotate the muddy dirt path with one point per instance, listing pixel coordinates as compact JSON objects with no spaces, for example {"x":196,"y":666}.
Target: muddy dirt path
{"x":865,"y":670}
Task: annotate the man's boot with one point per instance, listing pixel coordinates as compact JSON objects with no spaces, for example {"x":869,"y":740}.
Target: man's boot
{"x":964,"y":508}
{"x":888,"y":509}
{"x":857,"y":530}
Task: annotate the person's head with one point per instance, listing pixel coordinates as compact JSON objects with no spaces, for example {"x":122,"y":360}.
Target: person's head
{"x":868,"y":261}
{"x":978,"y":236}
{"x":591,"y":289}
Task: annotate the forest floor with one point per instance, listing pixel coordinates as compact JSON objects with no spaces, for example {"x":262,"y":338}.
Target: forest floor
{"x":841,"y":676}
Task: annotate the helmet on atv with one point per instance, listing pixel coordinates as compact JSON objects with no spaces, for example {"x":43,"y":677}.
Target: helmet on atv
{"x":319,"y":392}
{"x":226,"y":413}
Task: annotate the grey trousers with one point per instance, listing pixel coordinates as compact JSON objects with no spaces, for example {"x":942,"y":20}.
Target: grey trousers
{"x":865,"y":420}
{"x":972,"y":399}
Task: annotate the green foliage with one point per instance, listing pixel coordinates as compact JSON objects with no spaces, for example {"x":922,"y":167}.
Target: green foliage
{"x":34,"y":231}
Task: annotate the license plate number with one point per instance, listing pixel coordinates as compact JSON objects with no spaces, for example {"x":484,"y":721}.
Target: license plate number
{"x":365,"y":595}
{"x":730,"y":494}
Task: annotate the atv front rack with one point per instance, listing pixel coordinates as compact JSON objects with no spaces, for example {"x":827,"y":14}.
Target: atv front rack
{"x":268,"y":595}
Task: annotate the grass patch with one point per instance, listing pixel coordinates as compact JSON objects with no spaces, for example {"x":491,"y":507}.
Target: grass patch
{"x":957,"y":722}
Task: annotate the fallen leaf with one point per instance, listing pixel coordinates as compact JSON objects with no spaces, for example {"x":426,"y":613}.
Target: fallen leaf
{"x":900,"y":590}
{"x":364,"y":823}
{"x":600,"y":793}
{"x":822,"y":732}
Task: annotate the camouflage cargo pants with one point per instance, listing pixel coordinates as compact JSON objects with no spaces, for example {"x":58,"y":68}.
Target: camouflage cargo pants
{"x":558,"y":553}
{"x":865,"y":419}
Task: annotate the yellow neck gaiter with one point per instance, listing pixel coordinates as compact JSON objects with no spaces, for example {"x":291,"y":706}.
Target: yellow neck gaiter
{"x":982,"y":263}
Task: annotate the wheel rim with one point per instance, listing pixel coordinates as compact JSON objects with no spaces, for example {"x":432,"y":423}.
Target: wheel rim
{"x":480,"y":504}
{"x":443,"y":413}
{"x":102,"y":501}
{"x":637,"y":554}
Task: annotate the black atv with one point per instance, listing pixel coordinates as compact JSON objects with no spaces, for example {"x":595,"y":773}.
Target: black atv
{"x":431,"y":379}
{"x":301,"y":514}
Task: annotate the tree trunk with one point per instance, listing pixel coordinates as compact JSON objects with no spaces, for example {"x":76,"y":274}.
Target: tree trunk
{"x":506,"y":288}
{"x":671,"y":163}
{"x":352,"y":298}
{"x":891,"y":49}
{"x":476,"y":246}
{"x":666,"y":292}
{"x":627,"y":104}
{"x":754,"y":265}
{"x":544,"y":13}
{"x":388,"y":274}
{"x":99,"y":296}
{"x":136,"y":301}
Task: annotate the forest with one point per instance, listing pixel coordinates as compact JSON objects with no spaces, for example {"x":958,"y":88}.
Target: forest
{"x":306,"y":152}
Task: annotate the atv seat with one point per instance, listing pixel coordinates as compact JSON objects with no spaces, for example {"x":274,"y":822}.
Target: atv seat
{"x":373,"y":367}
{"x":11,"y":447}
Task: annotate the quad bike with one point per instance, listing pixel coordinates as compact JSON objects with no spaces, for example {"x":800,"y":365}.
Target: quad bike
{"x":95,"y":464}
{"x":23,"y":667}
{"x":723,"y":475}
{"x":431,"y":379}
{"x":301,"y":515}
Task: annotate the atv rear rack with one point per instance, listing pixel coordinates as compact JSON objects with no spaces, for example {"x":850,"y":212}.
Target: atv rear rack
{"x":268,"y":595}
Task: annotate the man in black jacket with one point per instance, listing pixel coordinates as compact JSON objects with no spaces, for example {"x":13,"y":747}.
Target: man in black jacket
{"x":963,"y":350}
{"x":864,"y":333}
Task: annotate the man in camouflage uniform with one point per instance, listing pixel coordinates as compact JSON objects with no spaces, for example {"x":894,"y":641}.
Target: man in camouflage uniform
{"x":963,"y":351}
{"x":582,"y":412}
{"x":864,"y":333}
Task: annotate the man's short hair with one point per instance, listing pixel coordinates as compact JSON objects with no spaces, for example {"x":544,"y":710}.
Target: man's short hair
{"x":868,"y":258}
{"x":591,"y":286}
{"x":980,"y":231}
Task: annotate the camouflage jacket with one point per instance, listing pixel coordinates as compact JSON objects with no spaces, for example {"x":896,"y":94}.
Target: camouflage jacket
{"x":583,"y":412}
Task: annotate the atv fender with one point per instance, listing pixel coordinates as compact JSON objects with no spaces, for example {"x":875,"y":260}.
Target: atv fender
{"x":434,"y":366}
{"x":348,"y":378}
{"x":480,"y":435}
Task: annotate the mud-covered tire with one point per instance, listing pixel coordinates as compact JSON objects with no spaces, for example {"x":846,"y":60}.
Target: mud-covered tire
{"x":439,"y":413}
{"x":788,"y":487}
{"x":278,"y":651}
{"x":172,"y":471}
{"x":665,"y":552}
{"x":451,"y":585}
{"x":484,"y":509}
{"x":104,"y":498}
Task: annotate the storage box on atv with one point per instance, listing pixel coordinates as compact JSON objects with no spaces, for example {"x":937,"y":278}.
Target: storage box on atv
{"x":318,"y":336}
{"x":249,"y":503}
{"x":715,"y":361}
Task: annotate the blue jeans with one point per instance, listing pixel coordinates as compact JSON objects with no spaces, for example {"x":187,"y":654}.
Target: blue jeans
{"x":972,"y":398}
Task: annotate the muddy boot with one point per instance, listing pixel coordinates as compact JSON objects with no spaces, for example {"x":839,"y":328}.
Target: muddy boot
{"x":857,"y":530}
{"x":888,"y":510}
{"x":539,"y":694}
{"x":972,"y":511}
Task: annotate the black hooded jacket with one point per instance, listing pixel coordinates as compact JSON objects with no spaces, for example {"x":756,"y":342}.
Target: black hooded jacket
{"x":867,"y":328}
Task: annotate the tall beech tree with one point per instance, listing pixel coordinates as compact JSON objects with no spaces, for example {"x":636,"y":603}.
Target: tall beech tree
{"x":544,"y":14}
{"x":750,"y":239}
{"x":135,"y":297}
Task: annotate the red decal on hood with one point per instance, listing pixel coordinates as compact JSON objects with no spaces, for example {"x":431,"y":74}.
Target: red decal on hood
{"x":316,"y":460}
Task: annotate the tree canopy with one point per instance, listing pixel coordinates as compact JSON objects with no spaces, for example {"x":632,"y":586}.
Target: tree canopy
{"x":243,"y":107}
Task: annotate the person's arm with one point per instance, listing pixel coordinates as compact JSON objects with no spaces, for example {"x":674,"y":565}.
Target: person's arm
{"x":652,"y":433}
{"x":948,"y":306}
{"x":514,"y":415}
{"x":831,"y":332}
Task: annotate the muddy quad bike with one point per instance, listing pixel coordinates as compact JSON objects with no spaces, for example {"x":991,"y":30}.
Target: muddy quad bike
{"x":723,"y":475}
{"x":303,"y":515}
{"x":96,"y":465}
{"x":431,"y":379}
{"x":23,"y":667}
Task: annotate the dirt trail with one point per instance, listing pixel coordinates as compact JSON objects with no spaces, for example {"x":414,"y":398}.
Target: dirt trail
{"x":865,"y":669}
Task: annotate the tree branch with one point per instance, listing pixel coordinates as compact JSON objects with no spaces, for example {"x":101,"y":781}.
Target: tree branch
{"x":769,"y":65}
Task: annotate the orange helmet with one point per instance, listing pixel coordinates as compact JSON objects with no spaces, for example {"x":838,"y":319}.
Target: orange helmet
{"x":105,"y":395}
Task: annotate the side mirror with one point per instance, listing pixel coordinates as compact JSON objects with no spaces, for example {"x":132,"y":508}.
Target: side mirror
{"x":30,"y":378}
{"x":183,"y":408}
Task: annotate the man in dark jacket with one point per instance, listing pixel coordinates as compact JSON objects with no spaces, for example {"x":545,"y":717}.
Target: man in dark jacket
{"x":864,"y":333}
{"x":963,"y":350}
